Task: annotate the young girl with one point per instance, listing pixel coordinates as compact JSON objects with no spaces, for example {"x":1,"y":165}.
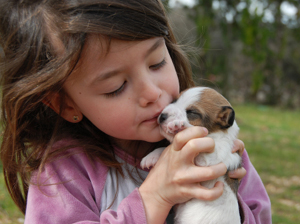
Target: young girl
{"x":83,"y":83}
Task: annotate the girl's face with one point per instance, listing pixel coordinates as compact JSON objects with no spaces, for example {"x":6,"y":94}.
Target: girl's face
{"x":123,"y":91}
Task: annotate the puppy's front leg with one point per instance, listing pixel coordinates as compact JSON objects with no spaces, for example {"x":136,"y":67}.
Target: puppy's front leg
{"x":151,"y":159}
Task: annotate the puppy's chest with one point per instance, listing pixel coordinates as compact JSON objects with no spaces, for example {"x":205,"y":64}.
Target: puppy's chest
{"x":207,"y":159}
{"x":221,"y":153}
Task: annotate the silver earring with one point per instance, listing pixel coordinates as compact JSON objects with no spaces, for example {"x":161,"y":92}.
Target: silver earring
{"x":75,"y":118}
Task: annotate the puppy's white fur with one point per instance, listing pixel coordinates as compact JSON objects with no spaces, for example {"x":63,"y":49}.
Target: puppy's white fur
{"x":225,"y":209}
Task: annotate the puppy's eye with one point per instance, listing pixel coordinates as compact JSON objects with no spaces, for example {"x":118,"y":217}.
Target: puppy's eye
{"x":193,"y":114}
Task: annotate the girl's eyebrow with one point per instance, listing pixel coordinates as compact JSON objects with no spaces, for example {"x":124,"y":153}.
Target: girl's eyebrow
{"x":110,"y":74}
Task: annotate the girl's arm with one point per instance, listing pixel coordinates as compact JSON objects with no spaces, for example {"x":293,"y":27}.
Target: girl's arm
{"x":253,"y":198}
{"x":70,"y":192}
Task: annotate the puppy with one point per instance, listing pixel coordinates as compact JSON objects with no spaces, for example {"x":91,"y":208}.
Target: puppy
{"x":202,"y":106}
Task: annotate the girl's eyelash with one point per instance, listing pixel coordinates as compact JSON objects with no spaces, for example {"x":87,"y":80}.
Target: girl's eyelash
{"x":120,"y":90}
{"x":116,"y":92}
{"x":159,"y":65}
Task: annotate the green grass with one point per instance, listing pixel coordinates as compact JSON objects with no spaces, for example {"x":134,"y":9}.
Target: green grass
{"x":272,"y":139}
{"x":9,"y":213}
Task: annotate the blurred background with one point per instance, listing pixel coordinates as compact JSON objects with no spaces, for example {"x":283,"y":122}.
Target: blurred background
{"x":249,"y":50}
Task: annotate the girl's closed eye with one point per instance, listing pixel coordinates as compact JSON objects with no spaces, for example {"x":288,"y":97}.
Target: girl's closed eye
{"x":159,"y":65}
{"x":122,"y":87}
{"x":117,"y":91}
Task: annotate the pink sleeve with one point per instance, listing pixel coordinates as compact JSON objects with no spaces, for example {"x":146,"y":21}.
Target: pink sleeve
{"x":71,"y":193}
{"x":253,"y":198}
{"x":131,"y":210}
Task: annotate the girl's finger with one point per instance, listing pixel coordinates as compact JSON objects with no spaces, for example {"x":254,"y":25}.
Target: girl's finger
{"x":195,"y":146}
{"x":203,"y":193}
{"x":238,"y":146}
{"x":196,"y":174}
{"x":184,"y":136}
{"x":238,"y":173}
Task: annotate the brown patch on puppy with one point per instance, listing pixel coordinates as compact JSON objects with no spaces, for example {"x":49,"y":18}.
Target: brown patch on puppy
{"x":232,"y":183}
{"x":212,"y":111}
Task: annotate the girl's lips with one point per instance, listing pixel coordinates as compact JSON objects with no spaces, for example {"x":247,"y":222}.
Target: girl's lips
{"x":153,"y":119}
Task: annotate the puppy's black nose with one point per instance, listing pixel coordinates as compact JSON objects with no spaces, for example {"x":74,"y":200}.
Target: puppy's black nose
{"x":162,"y":118}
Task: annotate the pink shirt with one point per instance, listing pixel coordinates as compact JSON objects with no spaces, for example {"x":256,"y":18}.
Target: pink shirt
{"x":74,"y":188}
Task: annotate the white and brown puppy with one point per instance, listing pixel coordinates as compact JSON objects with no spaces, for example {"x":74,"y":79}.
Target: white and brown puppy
{"x":202,"y":106}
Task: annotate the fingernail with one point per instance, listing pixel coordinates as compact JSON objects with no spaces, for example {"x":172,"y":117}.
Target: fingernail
{"x":205,"y":130}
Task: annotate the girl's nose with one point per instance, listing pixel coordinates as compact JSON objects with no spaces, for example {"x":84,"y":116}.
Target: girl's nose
{"x":150,"y":93}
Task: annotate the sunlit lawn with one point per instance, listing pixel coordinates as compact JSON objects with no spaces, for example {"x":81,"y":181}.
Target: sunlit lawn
{"x":272,"y":139}
{"x":8,"y":211}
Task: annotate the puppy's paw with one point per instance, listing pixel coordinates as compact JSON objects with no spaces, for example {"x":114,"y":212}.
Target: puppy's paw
{"x":175,"y":126}
{"x":151,"y":159}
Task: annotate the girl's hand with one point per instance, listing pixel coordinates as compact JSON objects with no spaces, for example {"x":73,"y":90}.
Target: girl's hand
{"x":239,"y":147}
{"x":175,"y":178}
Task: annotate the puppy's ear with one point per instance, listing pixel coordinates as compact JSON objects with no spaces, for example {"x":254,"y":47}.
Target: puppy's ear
{"x":226,"y":117}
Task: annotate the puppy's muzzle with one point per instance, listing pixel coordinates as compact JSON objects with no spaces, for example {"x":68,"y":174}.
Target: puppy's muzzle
{"x":162,"y":117}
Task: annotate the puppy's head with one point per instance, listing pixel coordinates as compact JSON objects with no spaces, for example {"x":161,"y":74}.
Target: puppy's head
{"x":199,"y":106}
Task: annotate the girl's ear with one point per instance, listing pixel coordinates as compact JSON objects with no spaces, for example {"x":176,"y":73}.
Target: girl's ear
{"x":70,"y":111}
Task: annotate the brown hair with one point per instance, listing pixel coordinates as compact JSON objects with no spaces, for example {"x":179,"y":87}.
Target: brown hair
{"x":42,"y":41}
